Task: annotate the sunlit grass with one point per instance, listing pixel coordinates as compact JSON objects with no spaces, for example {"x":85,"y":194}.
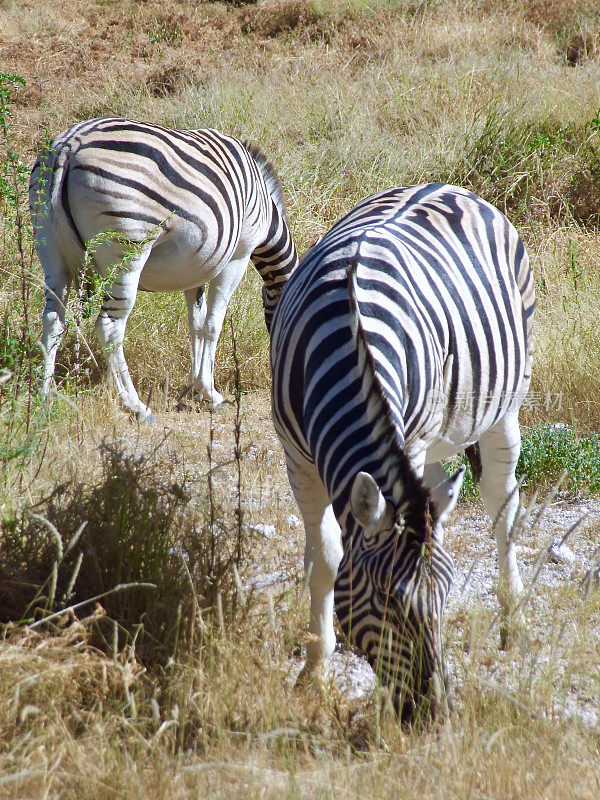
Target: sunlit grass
{"x":346,"y":98}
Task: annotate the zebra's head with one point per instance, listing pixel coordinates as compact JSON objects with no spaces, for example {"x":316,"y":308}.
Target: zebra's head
{"x":401,"y":575}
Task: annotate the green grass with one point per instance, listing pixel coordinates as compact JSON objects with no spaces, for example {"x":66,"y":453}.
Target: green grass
{"x":548,"y":451}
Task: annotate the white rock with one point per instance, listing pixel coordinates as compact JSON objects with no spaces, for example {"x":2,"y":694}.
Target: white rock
{"x":265,"y":580}
{"x":561,"y":554}
{"x":292,"y":520}
{"x":264,"y":529}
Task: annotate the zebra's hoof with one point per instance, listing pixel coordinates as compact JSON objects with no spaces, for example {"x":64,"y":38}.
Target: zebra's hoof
{"x":147,"y":417}
{"x":218,"y":408}
{"x":511,"y":633}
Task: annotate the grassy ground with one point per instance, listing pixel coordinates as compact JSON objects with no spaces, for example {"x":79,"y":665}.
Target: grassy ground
{"x":147,"y":693}
{"x":348,"y":98}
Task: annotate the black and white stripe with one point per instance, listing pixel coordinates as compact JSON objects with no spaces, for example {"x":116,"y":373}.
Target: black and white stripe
{"x":186,"y":207}
{"x":403,"y":338}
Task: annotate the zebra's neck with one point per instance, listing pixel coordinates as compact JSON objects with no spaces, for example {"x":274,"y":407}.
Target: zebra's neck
{"x":383,"y":453}
{"x":275,"y":260}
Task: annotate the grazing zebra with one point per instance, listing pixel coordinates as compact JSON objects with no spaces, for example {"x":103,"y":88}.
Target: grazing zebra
{"x":183,"y":208}
{"x":403,"y":338}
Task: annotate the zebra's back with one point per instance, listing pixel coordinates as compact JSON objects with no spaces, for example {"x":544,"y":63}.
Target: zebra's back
{"x":202,"y":189}
{"x":445,"y":294}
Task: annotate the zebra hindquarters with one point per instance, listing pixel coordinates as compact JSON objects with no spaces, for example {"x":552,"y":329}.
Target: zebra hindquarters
{"x":59,"y":252}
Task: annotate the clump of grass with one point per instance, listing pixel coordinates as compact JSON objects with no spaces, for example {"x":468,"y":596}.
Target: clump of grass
{"x":532,"y":168}
{"x":276,"y":18}
{"x":549,"y":450}
{"x":134,"y":526}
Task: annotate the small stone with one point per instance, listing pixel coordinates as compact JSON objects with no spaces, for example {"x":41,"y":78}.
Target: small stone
{"x":267,"y":531}
{"x":292,"y":520}
{"x":561,"y":554}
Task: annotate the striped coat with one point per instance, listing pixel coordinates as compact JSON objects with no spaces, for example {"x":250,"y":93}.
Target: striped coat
{"x":161,"y":210}
{"x":404,"y":337}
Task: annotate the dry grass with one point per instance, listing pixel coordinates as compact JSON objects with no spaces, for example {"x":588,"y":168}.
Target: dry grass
{"x":347,"y":97}
{"x":224,"y":716}
{"x":567,"y":341}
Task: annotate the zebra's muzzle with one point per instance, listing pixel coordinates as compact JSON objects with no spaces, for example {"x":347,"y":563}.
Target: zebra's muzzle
{"x":426,"y":703}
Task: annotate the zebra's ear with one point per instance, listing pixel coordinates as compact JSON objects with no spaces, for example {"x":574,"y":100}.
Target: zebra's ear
{"x":368,"y":505}
{"x":445,"y":494}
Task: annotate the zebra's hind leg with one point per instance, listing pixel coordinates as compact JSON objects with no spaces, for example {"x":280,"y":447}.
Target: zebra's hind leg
{"x":205,"y":318}
{"x":195,"y":300}
{"x":322,"y":555}
{"x":499,"y":449}
{"x":53,"y":321}
{"x":118,"y":301}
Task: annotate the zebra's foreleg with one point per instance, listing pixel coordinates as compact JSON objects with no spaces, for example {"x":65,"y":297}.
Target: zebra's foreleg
{"x":110,"y":328}
{"x":322,"y":556}
{"x":500,"y":447}
{"x":206,"y":322}
{"x":444,"y":493}
{"x":57,"y":292}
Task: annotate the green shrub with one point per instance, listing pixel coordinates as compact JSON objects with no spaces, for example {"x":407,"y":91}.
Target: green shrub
{"x":549,"y":450}
{"x":514,"y":164}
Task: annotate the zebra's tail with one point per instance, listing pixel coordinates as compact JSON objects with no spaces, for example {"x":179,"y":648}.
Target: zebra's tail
{"x":49,"y":204}
{"x":372,"y":389}
{"x":365,"y":359}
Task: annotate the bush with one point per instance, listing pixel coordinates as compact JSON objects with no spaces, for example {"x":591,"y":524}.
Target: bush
{"x":549,"y":450}
{"x":115,"y":538}
{"x":534,"y":168}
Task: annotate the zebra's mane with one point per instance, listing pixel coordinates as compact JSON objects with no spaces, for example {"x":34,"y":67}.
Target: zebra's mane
{"x":270,"y":175}
{"x":416,"y":504}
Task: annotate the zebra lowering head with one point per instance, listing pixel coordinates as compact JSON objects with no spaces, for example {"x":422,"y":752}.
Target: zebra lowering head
{"x":139,"y":206}
{"x":403,"y":338}
{"x":395,"y":616}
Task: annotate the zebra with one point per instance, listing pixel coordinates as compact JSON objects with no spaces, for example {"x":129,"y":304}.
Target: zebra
{"x":403,"y":338}
{"x":168,"y":210}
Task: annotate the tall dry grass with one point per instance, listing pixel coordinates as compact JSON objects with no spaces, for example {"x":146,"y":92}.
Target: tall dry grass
{"x":347,"y":98}
{"x":82,"y":711}
{"x":223,"y":715}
